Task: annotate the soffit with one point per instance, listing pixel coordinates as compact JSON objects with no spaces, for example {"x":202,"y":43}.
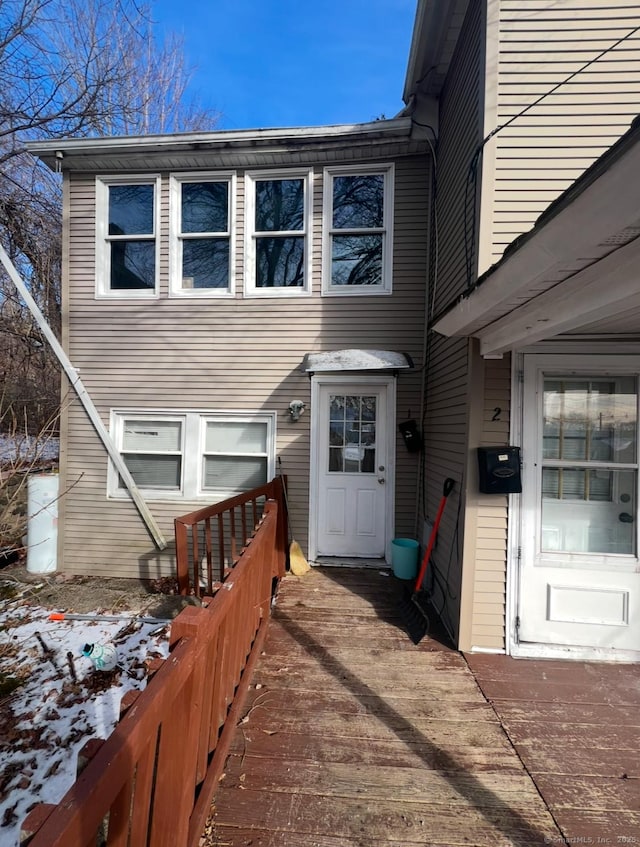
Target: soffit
{"x":435,"y":35}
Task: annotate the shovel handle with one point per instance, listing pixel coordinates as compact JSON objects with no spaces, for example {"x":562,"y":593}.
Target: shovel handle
{"x":447,"y":488}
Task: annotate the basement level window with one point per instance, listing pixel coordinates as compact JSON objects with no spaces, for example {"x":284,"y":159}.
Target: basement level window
{"x":194,"y":454}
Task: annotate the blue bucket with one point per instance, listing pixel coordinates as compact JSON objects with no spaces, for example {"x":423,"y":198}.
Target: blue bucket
{"x":404,"y":557}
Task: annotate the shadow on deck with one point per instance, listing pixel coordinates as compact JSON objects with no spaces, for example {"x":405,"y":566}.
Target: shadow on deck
{"x":354,"y":736}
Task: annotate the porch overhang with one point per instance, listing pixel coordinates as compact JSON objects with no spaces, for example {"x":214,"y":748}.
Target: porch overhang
{"x":576,"y":271}
{"x":339,"y":361}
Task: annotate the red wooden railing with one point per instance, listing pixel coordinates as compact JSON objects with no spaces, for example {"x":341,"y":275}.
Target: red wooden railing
{"x":151,"y":782}
{"x":210,"y":541}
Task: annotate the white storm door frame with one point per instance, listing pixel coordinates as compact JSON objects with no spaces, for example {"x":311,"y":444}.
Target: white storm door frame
{"x":571,"y":358}
{"x":379,"y":381}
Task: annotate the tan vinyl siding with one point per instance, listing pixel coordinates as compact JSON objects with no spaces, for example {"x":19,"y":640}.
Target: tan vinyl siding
{"x":224,"y":354}
{"x":448,"y":378}
{"x":489,"y":593}
{"x":540,"y":45}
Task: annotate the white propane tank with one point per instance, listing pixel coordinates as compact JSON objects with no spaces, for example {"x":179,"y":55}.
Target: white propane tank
{"x":42,"y":523}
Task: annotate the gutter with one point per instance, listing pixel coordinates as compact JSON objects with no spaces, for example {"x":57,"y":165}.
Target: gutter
{"x":50,"y":151}
{"x":85,"y":399}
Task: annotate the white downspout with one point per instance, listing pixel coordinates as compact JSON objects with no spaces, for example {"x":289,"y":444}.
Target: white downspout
{"x":85,"y":399}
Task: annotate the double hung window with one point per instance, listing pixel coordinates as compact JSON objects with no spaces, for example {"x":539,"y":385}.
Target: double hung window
{"x":201,"y":235}
{"x":358,"y":227}
{"x":277,"y":238}
{"x":127,"y":243}
{"x":193,"y":454}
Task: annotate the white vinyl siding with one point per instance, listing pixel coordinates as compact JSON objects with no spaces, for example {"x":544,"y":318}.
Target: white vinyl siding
{"x":358,"y":230}
{"x":542,"y":152}
{"x":126,"y":234}
{"x":201,"y":236}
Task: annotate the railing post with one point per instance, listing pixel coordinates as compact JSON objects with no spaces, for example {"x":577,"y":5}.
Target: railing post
{"x":282,"y":535}
{"x":182,"y":557}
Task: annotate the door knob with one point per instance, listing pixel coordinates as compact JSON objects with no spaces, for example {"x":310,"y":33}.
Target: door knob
{"x":381,"y":480}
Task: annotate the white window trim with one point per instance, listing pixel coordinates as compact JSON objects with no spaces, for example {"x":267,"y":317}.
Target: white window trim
{"x":175,"y":242}
{"x":388,"y":171}
{"x":192,"y":445}
{"x":102,"y":248}
{"x":250,"y":178}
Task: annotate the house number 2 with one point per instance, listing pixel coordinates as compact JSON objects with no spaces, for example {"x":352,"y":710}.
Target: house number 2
{"x":496,"y":413}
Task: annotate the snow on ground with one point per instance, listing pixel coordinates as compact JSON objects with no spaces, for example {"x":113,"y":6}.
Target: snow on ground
{"x":45,"y":721}
{"x":27,"y":449}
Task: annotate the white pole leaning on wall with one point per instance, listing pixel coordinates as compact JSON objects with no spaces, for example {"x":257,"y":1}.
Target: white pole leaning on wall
{"x":85,"y":399}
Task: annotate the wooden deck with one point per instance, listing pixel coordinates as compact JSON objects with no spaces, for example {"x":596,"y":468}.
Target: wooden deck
{"x":354,"y":737}
{"x":576,"y":727}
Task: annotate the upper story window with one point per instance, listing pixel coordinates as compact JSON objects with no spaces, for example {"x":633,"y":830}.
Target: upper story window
{"x":126,"y":236}
{"x":277,"y":238}
{"x":202,"y":235}
{"x":358,"y":230}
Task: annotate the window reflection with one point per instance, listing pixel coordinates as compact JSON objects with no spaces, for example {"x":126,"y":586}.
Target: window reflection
{"x":352,"y":433}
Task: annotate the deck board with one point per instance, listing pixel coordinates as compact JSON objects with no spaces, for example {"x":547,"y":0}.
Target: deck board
{"x":354,"y":736}
{"x":576,"y":727}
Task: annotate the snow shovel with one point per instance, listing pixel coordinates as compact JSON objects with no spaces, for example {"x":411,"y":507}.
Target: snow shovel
{"x":414,"y":609}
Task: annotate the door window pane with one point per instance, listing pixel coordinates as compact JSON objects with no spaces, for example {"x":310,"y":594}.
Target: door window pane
{"x":588,"y":511}
{"x":352,"y":433}
{"x":590,"y":420}
{"x":589,"y":432}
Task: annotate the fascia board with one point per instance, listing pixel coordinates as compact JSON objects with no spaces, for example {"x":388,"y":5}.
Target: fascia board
{"x":251,"y":138}
{"x":603,"y":290}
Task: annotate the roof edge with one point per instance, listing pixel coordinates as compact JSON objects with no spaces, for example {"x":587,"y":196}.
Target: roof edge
{"x":399,"y":127}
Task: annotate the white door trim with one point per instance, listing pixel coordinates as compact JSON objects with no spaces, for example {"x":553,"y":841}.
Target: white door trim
{"x":580,"y":360}
{"x":388,"y":382}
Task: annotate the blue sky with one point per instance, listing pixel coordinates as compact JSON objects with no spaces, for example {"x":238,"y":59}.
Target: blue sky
{"x":275,"y":63}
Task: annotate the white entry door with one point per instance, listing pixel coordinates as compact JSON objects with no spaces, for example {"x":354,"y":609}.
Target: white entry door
{"x":579,"y":579}
{"x":353,"y":495}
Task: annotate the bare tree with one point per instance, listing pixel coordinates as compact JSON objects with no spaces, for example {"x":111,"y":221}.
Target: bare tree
{"x":69,"y":68}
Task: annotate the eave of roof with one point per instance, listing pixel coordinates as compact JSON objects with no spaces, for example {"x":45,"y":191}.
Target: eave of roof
{"x":435,"y":34}
{"x":59,"y":153}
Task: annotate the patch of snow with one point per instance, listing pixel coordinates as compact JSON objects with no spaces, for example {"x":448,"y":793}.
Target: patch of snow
{"x":47,"y":720}
{"x":28,"y":449}
{"x":356,"y":360}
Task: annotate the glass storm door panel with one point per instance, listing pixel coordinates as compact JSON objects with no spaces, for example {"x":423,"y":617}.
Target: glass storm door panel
{"x":352,"y":497}
{"x":578,"y":584}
